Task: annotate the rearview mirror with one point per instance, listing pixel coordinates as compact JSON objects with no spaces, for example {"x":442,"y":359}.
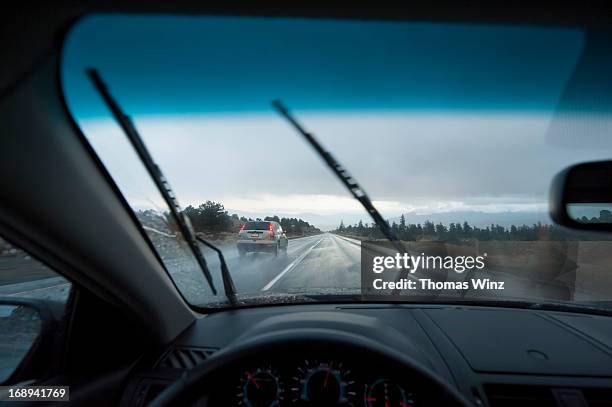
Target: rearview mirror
{"x":581,"y":196}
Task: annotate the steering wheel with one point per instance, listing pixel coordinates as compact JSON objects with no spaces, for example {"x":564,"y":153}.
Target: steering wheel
{"x":195,"y":384}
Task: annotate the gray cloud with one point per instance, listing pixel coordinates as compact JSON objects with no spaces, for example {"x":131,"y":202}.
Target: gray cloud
{"x":410,"y":162}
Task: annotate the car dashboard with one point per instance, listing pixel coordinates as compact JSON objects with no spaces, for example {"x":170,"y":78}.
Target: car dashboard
{"x":493,"y":356}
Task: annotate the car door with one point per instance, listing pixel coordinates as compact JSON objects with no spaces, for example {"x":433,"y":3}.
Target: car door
{"x":33,"y":308}
{"x":55,"y":333}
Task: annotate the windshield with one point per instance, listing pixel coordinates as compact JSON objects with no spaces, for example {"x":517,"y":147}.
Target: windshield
{"x":455,"y":131}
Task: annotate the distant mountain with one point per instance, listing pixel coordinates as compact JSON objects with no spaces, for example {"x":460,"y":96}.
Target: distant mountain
{"x":474,"y":218}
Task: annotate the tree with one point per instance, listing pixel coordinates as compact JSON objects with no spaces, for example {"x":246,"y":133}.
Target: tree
{"x":441,"y":231}
{"x":455,"y":231}
{"x":452,"y":232}
{"x":213,"y":216}
{"x":605,"y":216}
{"x":513,"y":230}
{"x":429,"y":228}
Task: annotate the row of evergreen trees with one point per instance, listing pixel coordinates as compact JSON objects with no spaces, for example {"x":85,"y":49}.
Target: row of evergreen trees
{"x":211,"y":217}
{"x":293,"y":226}
{"x":465,"y":231}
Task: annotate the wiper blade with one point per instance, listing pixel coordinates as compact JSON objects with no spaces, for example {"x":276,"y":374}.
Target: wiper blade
{"x":349,"y":182}
{"x":169,"y":197}
{"x":228,"y":283}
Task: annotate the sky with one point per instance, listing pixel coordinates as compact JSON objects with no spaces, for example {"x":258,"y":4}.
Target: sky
{"x":429,"y":118}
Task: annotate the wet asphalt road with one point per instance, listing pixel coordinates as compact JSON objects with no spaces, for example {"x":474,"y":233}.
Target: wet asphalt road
{"x":324,"y":261}
{"x":315,"y":264}
{"x":321,"y":261}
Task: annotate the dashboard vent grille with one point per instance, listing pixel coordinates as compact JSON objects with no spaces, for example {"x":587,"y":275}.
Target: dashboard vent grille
{"x":185,"y":358}
{"x":503,"y":395}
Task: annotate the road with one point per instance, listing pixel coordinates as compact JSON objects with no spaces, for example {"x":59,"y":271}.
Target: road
{"x":326,"y":262}
{"x":322,"y":261}
{"x":315,"y":264}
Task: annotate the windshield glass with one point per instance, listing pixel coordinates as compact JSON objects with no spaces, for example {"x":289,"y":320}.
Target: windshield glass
{"x":454,"y":130}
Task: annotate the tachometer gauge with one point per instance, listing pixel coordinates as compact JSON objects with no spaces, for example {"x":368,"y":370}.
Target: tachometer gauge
{"x":323,"y":384}
{"x":260,"y":388}
{"x":385,"y":393}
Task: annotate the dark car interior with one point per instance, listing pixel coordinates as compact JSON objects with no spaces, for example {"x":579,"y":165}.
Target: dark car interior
{"x":127,"y":337}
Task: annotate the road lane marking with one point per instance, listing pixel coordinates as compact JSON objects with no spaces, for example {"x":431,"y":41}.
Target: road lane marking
{"x":376,"y":250}
{"x":38,"y":289}
{"x":159,"y":232}
{"x":342,"y":248}
{"x":351,"y":250}
{"x":348,"y":239}
{"x":32,"y":285}
{"x":290,"y":267}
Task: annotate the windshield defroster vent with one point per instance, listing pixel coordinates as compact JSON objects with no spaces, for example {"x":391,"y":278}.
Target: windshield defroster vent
{"x":185,"y":358}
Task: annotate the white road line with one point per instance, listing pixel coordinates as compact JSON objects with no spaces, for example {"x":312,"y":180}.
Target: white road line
{"x":159,"y":232}
{"x":38,"y":289}
{"x":32,"y":285}
{"x":357,"y":243}
{"x":290,"y":267}
{"x":348,"y":239}
{"x":351,"y":246}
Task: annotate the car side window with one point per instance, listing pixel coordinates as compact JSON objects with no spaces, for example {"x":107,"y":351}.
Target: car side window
{"x":25,"y":283}
{"x":25,"y":277}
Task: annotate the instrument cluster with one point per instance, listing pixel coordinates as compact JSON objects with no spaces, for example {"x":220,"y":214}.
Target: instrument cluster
{"x":317,"y":382}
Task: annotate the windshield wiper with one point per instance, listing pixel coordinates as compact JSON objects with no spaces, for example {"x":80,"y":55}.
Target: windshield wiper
{"x":169,"y":197}
{"x":349,"y":182}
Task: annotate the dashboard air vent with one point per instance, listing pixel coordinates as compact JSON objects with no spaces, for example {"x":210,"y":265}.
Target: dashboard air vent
{"x":185,"y":358}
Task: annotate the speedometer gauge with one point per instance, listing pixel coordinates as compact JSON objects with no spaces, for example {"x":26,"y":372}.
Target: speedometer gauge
{"x":323,"y":384}
{"x":385,"y":393}
{"x":260,"y":388}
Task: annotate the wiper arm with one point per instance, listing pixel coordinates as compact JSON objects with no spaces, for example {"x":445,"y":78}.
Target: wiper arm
{"x":349,"y":182}
{"x":228,"y":283}
{"x":156,"y":174}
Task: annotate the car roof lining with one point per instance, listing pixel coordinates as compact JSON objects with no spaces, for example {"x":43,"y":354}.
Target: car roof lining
{"x":35,"y":32}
